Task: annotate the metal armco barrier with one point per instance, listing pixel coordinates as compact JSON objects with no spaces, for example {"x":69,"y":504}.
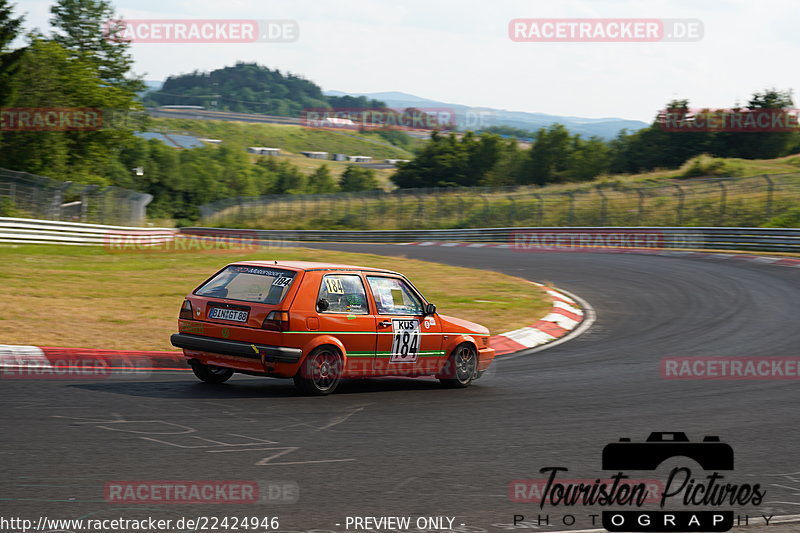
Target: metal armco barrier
{"x":31,"y":231}
{"x":712,"y":238}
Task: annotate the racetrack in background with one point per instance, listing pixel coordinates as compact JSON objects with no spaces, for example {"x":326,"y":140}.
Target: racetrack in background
{"x":395,"y":446}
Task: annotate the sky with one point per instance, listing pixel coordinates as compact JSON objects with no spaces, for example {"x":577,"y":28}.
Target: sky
{"x":460,"y":51}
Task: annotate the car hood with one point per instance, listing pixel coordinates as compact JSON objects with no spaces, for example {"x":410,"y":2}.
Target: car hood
{"x":451,"y":324}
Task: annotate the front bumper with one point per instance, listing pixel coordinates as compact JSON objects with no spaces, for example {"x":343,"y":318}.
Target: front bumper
{"x":272,"y":354}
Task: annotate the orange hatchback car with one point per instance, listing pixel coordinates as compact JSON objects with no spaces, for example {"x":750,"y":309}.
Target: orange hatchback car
{"x":319,"y":323}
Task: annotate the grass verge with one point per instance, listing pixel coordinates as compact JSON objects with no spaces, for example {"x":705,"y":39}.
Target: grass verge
{"x":86,"y":297}
{"x":287,"y":137}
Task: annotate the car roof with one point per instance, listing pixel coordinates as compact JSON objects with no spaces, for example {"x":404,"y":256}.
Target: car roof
{"x":313,"y":265}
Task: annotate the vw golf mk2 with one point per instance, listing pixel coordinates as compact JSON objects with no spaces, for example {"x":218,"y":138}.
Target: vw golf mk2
{"x":319,"y":323}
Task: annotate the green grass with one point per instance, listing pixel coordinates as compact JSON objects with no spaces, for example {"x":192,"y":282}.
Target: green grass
{"x":284,"y":136}
{"x":292,"y":140}
{"x":90,"y":298}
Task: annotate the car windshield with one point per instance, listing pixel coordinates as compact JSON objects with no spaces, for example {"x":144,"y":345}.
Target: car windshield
{"x":249,"y":284}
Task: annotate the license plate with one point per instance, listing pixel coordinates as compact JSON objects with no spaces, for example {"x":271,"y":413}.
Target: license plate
{"x":228,"y":314}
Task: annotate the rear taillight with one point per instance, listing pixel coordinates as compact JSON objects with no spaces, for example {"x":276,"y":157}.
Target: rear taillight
{"x":186,"y":310}
{"x":276,"y":321}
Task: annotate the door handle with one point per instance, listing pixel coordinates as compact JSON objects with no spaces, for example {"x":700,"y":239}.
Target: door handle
{"x":385,"y":323}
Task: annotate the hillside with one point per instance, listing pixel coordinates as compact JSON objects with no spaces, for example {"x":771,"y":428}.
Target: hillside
{"x":249,"y":88}
{"x":292,"y":140}
{"x":286,"y":137}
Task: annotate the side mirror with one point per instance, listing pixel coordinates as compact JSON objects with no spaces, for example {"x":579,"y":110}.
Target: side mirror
{"x":322,"y":305}
{"x":430,"y":309}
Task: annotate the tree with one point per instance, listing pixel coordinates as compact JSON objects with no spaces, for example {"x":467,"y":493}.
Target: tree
{"x":548,"y":157}
{"x":482,"y":156}
{"x":509,"y":165}
{"x":49,"y":77}
{"x":321,"y":181}
{"x":588,"y":159}
{"x":355,"y":179}
{"x":91,"y":29}
{"x":10,"y":28}
{"x":450,"y":161}
{"x":289,"y":178}
{"x":758,"y":144}
{"x":243,"y":87}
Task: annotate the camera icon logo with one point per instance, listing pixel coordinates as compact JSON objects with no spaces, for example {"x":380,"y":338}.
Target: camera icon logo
{"x":710,"y":454}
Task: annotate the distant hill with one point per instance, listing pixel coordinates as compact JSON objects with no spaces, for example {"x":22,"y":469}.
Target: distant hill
{"x":471,"y":117}
{"x":253,"y":88}
{"x":249,"y":88}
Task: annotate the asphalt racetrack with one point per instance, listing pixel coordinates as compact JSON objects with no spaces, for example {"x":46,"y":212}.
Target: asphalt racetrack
{"x":409,"y":447}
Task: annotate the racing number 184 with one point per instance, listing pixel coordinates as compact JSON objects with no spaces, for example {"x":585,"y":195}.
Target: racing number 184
{"x":405,"y":345}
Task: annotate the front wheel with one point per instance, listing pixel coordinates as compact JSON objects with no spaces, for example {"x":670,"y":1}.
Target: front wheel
{"x":461,"y":367}
{"x":321,"y":372}
{"x":212,"y":374}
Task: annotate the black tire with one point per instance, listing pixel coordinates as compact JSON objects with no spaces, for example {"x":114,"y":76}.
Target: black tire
{"x":461,"y":367}
{"x":212,"y":374}
{"x":320,"y":372}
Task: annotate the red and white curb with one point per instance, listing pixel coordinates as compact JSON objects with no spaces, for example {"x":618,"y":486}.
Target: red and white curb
{"x":762,"y":259}
{"x":48,"y":361}
{"x":564,"y":317}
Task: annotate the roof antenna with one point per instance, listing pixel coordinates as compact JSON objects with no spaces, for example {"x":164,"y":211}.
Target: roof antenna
{"x":276,"y":261}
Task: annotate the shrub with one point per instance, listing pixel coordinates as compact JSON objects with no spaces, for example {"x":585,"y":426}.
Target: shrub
{"x":788,"y":219}
{"x":705,"y":165}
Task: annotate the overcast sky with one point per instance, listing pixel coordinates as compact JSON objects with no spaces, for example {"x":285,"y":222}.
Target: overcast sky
{"x":459,"y":51}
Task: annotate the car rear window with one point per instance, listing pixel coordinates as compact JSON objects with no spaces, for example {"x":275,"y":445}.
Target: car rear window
{"x":249,"y":284}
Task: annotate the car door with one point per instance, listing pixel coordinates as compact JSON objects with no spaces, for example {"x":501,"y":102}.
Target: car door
{"x":347,"y":316}
{"x":408,"y":343}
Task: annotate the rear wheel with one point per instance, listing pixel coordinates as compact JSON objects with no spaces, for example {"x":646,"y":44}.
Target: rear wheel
{"x":212,"y":374}
{"x":461,"y":367}
{"x":321,"y":371}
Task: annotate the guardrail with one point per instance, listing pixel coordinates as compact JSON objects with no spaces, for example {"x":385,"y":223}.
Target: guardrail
{"x":32,"y":231}
{"x":713,"y":238}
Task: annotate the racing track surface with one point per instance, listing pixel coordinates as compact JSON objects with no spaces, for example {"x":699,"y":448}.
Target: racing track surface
{"x":409,"y":447}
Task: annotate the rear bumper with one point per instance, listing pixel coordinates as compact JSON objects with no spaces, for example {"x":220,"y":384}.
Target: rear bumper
{"x":272,"y":354}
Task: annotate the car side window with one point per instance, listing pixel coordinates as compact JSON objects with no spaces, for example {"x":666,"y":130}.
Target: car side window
{"x":344,"y":293}
{"x":394,"y":297}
